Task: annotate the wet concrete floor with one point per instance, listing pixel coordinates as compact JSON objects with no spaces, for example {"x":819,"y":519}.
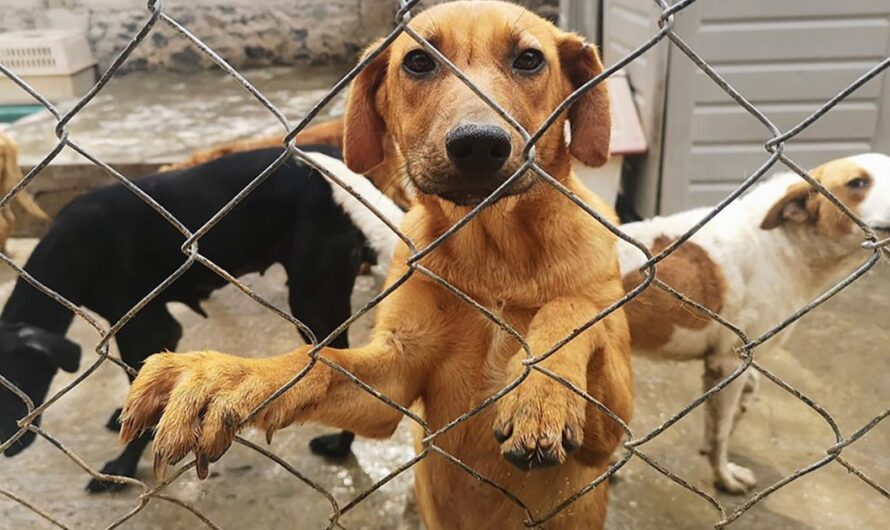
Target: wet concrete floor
{"x":162,"y":117}
{"x":839,"y":356}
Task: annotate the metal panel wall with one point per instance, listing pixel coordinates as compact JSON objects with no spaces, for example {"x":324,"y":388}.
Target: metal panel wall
{"x":788,"y":58}
{"x":582,"y":16}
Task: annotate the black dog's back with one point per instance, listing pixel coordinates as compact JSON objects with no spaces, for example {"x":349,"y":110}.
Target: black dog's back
{"x":107,"y":249}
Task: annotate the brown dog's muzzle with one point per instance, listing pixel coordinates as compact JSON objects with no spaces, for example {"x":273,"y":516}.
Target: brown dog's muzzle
{"x":477,"y":153}
{"x":478,"y":150}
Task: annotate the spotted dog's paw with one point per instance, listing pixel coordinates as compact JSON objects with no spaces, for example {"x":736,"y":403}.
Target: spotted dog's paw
{"x":735,"y":479}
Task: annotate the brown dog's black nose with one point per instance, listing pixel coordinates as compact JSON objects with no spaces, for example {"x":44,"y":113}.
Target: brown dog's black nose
{"x":474,"y":148}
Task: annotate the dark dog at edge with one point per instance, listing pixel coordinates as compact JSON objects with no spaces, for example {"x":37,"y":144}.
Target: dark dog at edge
{"x":108,"y":249}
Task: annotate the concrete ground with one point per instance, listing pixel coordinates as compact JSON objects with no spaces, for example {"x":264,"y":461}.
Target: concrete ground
{"x":142,"y":120}
{"x":838,"y":356}
{"x":163,"y":117}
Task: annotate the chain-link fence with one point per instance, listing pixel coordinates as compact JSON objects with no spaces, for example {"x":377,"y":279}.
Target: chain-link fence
{"x":635,"y":445}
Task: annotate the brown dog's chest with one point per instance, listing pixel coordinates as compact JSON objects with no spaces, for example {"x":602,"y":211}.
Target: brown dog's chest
{"x":473,"y":355}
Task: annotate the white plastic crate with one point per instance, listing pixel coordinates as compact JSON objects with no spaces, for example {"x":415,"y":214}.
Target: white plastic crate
{"x":57,"y":63}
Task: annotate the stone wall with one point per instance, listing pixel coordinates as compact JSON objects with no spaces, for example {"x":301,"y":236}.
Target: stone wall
{"x":546,"y":8}
{"x":247,"y":33}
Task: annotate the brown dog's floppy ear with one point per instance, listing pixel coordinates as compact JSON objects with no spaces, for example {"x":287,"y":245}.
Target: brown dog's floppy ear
{"x":364,"y":127}
{"x":794,"y":206}
{"x":589,"y":117}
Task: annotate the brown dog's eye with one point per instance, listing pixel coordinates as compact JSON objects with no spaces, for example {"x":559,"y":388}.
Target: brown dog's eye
{"x":419,"y":62}
{"x":529,"y":61}
{"x":858,"y":183}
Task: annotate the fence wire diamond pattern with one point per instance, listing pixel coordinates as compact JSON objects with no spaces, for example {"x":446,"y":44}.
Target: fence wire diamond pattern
{"x":635,"y":443}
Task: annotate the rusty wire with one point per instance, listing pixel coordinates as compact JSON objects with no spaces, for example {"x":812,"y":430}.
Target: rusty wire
{"x":774,"y":148}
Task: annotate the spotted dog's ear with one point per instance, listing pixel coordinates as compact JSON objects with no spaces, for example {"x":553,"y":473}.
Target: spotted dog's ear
{"x":590,"y":117}
{"x":364,"y":126}
{"x":795,"y":206}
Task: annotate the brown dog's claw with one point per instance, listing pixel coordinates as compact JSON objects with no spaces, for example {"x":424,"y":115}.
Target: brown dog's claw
{"x":503,"y":433}
{"x":160,"y":467}
{"x":202,"y":466}
{"x":539,"y":424}
{"x":269,"y":434}
{"x":571,"y":441}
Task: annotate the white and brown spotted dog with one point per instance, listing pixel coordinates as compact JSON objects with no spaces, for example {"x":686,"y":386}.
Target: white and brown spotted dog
{"x":765,"y":256}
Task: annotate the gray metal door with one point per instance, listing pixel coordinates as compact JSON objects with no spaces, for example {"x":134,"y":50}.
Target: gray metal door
{"x":582,"y":16}
{"x":788,"y":58}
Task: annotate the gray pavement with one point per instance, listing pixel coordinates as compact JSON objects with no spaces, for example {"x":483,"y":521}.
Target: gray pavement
{"x":838,"y":356}
{"x":144,"y":118}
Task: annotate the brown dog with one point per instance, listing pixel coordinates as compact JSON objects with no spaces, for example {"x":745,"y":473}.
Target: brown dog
{"x":325,"y":133}
{"x":389,"y":177}
{"x":539,"y":262}
{"x":10,"y":175}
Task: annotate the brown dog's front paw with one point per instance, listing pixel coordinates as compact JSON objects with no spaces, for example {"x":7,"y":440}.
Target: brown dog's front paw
{"x":198,"y":401}
{"x":540,"y":423}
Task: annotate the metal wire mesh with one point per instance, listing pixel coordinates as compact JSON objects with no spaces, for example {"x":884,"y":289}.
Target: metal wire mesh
{"x":633,"y":448}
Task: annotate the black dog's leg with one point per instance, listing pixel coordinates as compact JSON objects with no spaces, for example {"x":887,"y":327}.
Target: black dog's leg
{"x":123,"y":466}
{"x":114,"y":422}
{"x":337,"y":445}
{"x":323,"y":306}
{"x":152,"y":330}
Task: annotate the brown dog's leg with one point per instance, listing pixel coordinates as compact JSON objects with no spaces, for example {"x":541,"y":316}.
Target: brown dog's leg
{"x":7,"y":222}
{"x":543,"y":421}
{"x":610,"y":382}
{"x":198,"y":400}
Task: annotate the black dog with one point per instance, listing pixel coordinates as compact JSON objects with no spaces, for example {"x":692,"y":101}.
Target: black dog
{"x":107,"y":249}
{"x":29,"y":358}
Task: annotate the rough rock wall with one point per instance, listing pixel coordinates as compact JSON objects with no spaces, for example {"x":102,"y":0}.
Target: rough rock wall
{"x":546,"y":8}
{"x":247,"y":33}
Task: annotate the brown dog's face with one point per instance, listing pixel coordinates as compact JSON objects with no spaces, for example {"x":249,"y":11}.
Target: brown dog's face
{"x":454,"y":145}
